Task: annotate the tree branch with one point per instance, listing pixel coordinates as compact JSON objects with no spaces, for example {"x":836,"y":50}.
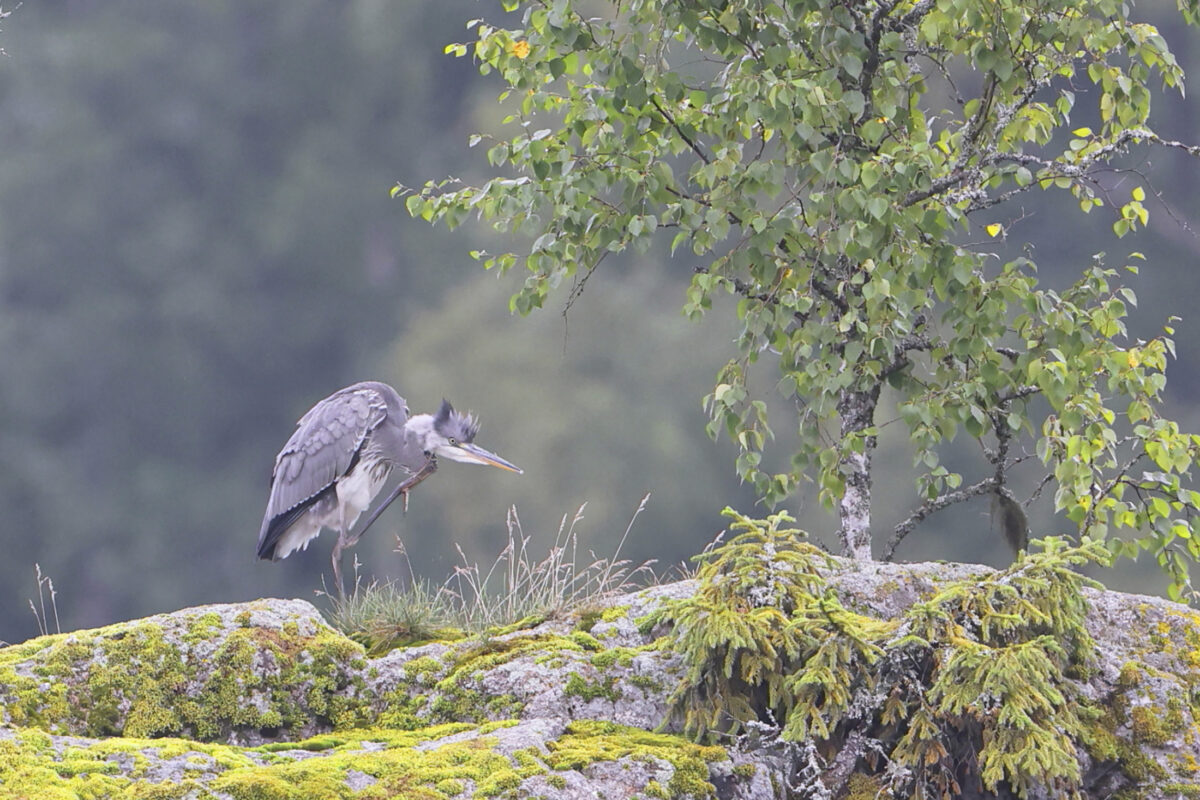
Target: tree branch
{"x":695,"y":148}
{"x":906,"y":527}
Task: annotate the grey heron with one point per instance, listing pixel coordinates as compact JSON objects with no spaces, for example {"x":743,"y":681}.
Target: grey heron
{"x":340,"y":456}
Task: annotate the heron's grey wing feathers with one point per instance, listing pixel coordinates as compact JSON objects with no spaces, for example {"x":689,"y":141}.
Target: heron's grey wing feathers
{"x":322,"y":448}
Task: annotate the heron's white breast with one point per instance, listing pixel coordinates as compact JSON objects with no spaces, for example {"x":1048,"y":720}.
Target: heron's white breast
{"x":358,"y":487}
{"x":354,"y":492}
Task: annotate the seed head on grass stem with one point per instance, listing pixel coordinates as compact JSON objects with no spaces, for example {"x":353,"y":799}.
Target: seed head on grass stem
{"x":514,"y":588}
{"x":517,"y":587}
{"x":44,"y":585}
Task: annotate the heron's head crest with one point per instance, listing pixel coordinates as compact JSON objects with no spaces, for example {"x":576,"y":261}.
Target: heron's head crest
{"x":454,"y":425}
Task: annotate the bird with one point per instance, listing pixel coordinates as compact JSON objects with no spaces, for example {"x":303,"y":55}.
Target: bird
{"x":340,"y":456}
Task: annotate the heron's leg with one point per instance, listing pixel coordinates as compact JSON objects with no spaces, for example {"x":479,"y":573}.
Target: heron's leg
{"x":405,"y":486}
{"x":342,"y":542}
{"x":337,"y":568}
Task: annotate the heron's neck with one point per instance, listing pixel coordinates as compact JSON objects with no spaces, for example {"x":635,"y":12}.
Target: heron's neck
{"x":418,"y":427}
{"x":416,"y":433}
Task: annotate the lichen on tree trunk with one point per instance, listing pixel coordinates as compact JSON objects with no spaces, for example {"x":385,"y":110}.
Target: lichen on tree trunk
{"x":857,"y":412}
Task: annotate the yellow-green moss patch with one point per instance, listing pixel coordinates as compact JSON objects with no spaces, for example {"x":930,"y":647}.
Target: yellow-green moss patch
{"x":193,"y":678}
{"x":31,"y":765}
{"x":587,"y":742}
{"x":590,"y":690}
{"x":396,"y":766}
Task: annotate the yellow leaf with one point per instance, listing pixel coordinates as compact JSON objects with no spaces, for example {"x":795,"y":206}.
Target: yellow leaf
{"x":1082,"y":131}
{"x":520,"y":49}
{"x":994,"y":229}
{"x":1139,"y":193}
{"x":1132,"y":357}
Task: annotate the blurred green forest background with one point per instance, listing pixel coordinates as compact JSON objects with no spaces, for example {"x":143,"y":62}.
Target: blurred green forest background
{"x":197,"y":243}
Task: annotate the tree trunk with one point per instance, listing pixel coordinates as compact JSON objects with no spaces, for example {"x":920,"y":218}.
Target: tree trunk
{"x":857,"y":412}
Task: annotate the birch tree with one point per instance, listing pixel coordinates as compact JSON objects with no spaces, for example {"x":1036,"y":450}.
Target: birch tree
{"x":829,"y":164}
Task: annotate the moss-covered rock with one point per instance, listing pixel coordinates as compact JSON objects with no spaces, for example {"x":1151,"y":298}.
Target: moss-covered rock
{"x":517,"y":760}
{"x":263,"y":700}
{"x":242,"y":673}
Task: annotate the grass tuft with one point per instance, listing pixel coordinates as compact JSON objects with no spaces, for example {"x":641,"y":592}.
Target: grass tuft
{"x":383,"y":616}
{"x":516,"y":589}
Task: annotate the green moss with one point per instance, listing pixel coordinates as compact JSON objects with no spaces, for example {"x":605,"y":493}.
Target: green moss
{"x":403,"y":710}
{"x":501,"y":780}
{"x":455,"y":696}
{"x":525,"y":623}
{"x":456,"y":704}
{"x":657,"y":790}
{"x":590,"y":690}
{"x":588,"y":741}
{"x":420,"y":669}
{"x":588,"y":619}
{"x":78,"y":763}
{"x":139,"y":668}
{"x":202,"y":627}
{"x":32,"y":766}
{"x":493,"y":652}
{"x":166,"y":791}
{"x":622,"y":656}
{"x":1138,"y":765}
{"x":586,"y":641}
{"x":647,"y":684}
{"x":745,"y":770}
{"x":614,"y":613}
{"x":407,"y":707}
{"x":1130,"y":675}
{"x":391,"y":758}
{"x":450,"y":787}
{"x":1151,"y":726}
{"x":1101,"y":740}
{"x":257,"y":785}
{"x":1155,"y":727}
{"x":137,"y":680}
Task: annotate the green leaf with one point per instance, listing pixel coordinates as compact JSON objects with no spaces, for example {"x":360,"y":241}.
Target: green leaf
{"x":878,"y":207}
{"x":414,"y":204}
{"x":852,"y":64}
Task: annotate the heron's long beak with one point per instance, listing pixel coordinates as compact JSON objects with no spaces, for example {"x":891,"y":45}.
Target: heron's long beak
{"x":475,"y":454}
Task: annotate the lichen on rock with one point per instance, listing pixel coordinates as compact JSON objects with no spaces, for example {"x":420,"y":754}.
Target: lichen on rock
{"x":243,"y":673}
{"x":843,"y":679}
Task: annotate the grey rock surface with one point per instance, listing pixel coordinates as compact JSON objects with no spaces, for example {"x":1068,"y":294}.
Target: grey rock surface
{"x":232,"y":700}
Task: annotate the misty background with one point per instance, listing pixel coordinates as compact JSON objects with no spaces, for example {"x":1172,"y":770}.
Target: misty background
{"x":197,"y":243}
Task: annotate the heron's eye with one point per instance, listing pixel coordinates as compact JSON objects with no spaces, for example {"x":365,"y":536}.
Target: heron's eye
{"x":453,"y":442}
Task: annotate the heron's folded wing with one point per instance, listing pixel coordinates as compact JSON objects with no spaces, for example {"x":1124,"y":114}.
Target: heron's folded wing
{"x":323,"y":447}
